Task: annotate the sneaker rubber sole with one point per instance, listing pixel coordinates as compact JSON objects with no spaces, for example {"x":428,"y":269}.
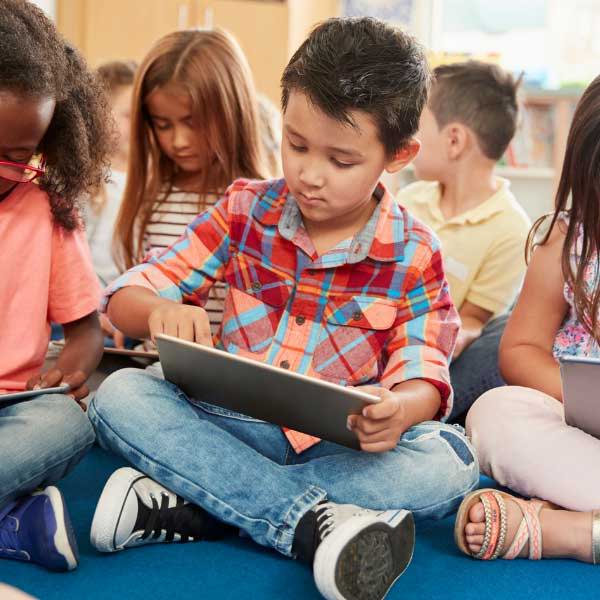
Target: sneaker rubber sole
{"x":364,"y":561}
{"x":65,"y":541}
{"x":110,"y":508}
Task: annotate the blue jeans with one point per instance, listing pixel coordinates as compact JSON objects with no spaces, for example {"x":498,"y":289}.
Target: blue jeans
{"x":245,"y":473}
{"x":476,"y":370}
{"x":40,"y":442}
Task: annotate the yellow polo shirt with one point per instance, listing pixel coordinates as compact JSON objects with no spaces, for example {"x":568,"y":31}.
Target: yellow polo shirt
{"x":483,"y":248}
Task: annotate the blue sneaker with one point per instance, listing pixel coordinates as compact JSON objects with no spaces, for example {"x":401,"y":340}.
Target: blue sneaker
{"x":37,"y":529}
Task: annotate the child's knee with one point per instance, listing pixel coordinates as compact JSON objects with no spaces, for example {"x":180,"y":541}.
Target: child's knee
{"x":119,"y":392}
{"x":448,"y":468}
{"x":67,"y":424}
{"x":488,"y":409}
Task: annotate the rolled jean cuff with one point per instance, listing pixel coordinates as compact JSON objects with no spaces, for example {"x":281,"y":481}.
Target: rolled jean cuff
{"x":284,"y":538}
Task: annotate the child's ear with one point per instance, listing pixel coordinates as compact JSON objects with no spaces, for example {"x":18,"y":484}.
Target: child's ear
{"x":404,"y":156}
{"x":456,"y":138}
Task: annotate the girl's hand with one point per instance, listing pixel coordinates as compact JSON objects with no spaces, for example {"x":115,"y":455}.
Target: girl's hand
{"x":181,"y":320}
{"x":381,"y":425}
{"x":55,"y":377}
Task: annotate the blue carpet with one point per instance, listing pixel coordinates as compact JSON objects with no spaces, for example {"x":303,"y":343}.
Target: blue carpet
{"x":238,"y":568}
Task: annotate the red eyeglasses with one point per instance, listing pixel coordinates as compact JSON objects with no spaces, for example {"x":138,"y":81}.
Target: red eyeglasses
{"x":21,"y":172}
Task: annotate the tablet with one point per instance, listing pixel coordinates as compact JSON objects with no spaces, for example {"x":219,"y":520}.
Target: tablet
{"x":262,"y":391}
{"x":581,"y":392}
{"x":16,"y":397}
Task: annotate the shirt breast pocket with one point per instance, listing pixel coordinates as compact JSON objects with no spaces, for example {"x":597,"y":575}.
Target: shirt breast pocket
{"x":254,"y":305}
{"x":354,"y":332}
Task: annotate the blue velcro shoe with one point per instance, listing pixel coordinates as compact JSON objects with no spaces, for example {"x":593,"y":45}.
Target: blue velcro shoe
{"x":37,"y":529}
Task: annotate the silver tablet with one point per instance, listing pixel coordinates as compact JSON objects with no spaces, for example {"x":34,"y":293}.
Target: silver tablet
{"x":262,"y":391}
{"x":581,"y":392}
{"x":16,"y":397}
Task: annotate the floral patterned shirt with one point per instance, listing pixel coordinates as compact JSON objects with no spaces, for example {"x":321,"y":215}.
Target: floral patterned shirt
{"x":572,"y":338}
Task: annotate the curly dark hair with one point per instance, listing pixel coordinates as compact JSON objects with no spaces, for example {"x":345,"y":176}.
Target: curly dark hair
{"x":362,"y":63}
{"x":35,"y":61}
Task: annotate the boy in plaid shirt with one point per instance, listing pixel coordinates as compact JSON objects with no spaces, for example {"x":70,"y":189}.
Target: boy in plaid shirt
{"x":326,"y":276}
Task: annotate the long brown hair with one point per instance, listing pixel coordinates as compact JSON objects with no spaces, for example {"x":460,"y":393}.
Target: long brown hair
{"x":580,"y":184}
{"x":211,"y":66}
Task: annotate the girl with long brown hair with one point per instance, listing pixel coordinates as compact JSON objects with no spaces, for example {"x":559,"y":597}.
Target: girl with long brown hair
{"x":194,"y":130}
{"x":520,"y":432}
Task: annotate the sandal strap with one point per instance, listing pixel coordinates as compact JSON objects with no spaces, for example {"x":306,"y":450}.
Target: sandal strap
{"x":495,"y":526}
{"x":596,"y":537}
{"x":518,"y":542}
{"x":531,"y":515}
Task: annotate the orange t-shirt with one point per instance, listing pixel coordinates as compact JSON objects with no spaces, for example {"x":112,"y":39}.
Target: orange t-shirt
{"x":47,"y":275}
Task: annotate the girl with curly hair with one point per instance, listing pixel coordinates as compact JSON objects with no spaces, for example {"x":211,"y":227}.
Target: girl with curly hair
{"x":54,"y":139}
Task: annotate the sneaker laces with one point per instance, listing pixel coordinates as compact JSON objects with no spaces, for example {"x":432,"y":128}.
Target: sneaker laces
{"x":180,"y":519}
{"x":326,"y":517}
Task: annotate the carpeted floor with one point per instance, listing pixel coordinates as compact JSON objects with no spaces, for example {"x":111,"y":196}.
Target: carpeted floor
{"x":238,"y":568}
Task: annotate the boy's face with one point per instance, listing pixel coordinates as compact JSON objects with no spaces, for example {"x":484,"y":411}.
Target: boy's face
{"x":431,"y":162}
{"x":330,"y":168}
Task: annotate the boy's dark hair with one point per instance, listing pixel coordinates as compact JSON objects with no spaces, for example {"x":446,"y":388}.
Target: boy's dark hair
{"x":117,"y":73}
{"x":362,"y":63}
{"x":35,"y":61}
{"x":481,"y":96}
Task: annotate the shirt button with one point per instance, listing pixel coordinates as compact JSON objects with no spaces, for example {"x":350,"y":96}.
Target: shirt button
{"x":284,"y":364}
{"x":256,"y":286}
{"x":300,"y":319}
{"x":357,"y":316}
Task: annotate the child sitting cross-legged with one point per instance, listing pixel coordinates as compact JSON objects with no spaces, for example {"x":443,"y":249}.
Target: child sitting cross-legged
{"x":326,"y":276}
{"x":467,"y":125}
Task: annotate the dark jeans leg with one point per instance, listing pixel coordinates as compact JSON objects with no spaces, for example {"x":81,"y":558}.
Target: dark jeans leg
{"x":476,"y":371}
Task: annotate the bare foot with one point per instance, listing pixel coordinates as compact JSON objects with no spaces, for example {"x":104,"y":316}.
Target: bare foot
{"x":566,"y":534}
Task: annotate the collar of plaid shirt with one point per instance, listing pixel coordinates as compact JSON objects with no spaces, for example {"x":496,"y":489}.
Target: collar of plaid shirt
{"x":381,"y":239}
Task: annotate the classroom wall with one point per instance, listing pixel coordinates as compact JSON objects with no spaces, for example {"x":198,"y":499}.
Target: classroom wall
{"x":268,"y":31}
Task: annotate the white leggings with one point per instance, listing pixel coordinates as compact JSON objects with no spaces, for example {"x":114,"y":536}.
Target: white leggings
{"x":524,"y":443}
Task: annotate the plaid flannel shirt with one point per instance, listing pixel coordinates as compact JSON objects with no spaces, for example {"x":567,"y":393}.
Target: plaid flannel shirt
{"x":373,"y":310}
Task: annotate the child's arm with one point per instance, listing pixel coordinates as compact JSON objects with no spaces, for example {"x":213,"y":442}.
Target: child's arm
{"x":526,"y":348}
{"x":496,"y":284}
{"x":140,"y":313}
{"x":79,"y":358}
{"x":415,"y":385}
{"x":472,"y":321}
{"x":165,"y":294}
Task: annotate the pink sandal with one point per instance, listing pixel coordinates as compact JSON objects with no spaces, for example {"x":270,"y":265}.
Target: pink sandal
{"x":494,"y":537}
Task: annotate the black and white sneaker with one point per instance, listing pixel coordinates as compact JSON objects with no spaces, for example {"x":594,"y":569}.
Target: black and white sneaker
{"x":134,"y":510}
{"x":360,"y":553}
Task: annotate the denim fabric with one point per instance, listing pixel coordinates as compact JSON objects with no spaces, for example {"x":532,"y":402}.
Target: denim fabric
{"x":40,"y":442}
{"x":246,"y":473}
{"x":476,"y":370}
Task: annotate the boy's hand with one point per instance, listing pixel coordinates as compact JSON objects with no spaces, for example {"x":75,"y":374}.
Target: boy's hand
{"x":380,"y":425}
{"x":55,"y":377}
{"x":181,"y":320}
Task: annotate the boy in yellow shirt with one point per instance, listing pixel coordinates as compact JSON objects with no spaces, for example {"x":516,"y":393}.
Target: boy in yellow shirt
{"x":469,"y":121}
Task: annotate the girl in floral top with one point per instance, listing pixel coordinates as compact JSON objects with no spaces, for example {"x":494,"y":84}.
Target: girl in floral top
{"x":519,"y":431}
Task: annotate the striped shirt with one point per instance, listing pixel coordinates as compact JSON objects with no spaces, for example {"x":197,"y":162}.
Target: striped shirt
{"x":373,"y":310}
{"x":170,"y":216}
